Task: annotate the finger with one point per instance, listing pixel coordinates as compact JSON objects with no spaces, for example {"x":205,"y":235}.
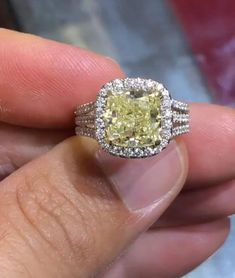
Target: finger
{"x":200,"y":206}
{"x":170,"y":252}
{"x":45,"y":95}
{"x":60,"y":210}
{"x":19,"y":145}
{"x":42,"y":81}
{"x":210,"y":145}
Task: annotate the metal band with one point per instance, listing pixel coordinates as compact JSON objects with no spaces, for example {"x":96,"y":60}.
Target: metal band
{"x":85,"y":119}
{"x":180,"y":118}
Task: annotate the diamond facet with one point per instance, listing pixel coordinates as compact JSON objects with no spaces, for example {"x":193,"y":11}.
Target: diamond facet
{"x":133,"y":118}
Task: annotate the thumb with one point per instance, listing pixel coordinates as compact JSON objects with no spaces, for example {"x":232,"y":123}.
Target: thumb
{"x":74,"y":210}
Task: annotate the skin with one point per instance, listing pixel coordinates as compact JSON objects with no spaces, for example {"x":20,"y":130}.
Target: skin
{"x":37,"y":96}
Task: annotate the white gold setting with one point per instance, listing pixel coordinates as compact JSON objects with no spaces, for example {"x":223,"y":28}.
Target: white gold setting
{"x":174,"y":117}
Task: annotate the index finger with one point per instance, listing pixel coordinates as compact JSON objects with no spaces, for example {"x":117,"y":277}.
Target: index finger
{"x":41,"y":81}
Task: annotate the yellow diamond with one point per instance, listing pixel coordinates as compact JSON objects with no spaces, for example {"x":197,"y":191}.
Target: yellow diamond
{"x":133,"y":119}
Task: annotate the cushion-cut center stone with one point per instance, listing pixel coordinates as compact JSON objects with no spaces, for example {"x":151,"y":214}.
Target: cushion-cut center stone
{"x":133,"y":119}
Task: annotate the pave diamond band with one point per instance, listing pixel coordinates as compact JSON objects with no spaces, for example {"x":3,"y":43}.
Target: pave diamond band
{"x":85,"y":120}
{"x":133,"y":118}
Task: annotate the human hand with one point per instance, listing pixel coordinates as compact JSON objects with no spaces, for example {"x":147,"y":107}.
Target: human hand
{"x":59,"y":215}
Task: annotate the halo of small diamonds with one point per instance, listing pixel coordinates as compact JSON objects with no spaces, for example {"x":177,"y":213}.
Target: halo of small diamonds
{"x":135,"y":84}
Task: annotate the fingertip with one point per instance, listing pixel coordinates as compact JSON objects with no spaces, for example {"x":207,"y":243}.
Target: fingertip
{"x":42,"y":81}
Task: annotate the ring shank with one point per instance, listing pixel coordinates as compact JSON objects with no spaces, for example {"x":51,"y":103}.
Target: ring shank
{"x":85,"y":120}
{"x":180,"y":111}
{"x":86,"y":114}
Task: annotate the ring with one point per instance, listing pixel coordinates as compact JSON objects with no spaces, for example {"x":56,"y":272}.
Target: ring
{"x":133,"y":118}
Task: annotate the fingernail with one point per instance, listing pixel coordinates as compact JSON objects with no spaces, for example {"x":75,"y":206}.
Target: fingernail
{"x":142,"y":182}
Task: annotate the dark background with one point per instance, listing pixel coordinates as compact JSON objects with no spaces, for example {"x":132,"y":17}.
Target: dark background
{"x":8,"y":18}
